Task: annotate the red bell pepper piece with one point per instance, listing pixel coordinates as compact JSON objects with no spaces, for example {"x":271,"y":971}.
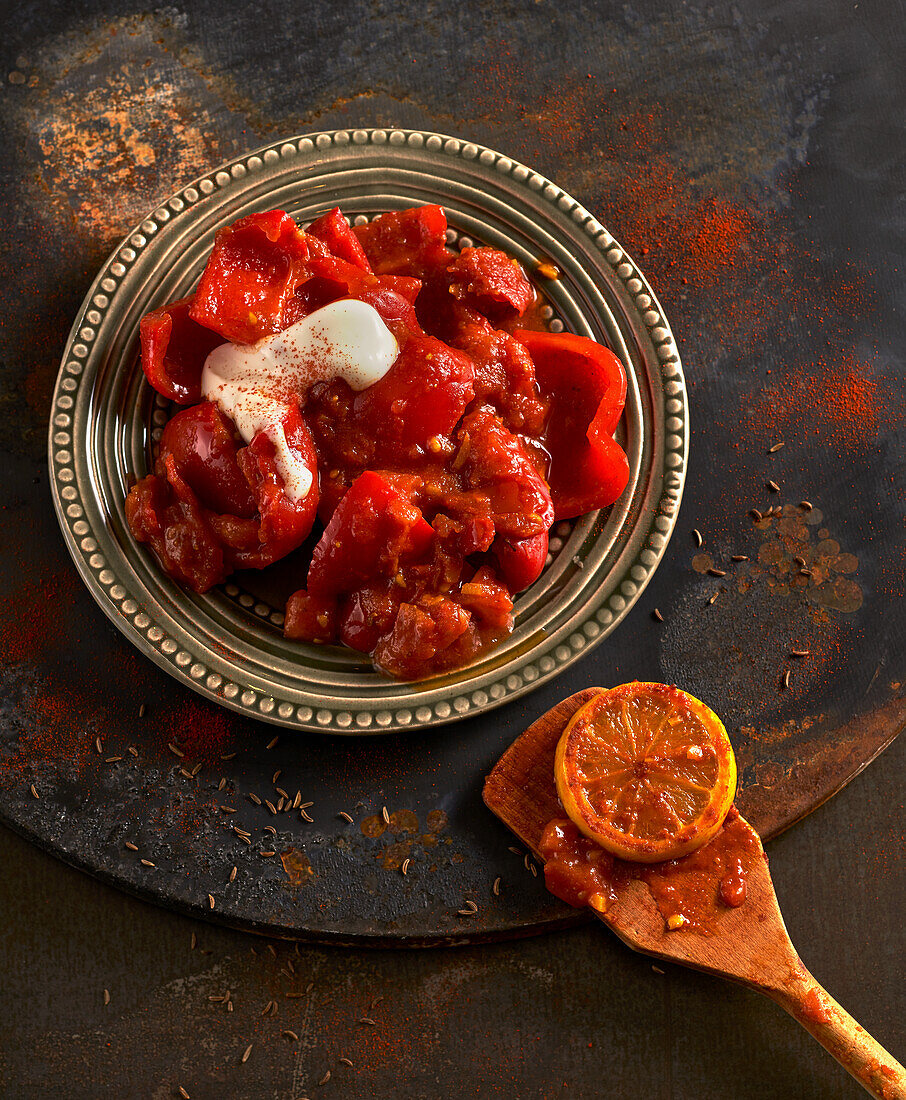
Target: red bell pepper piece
{"x":246,"y":289}
{"x":406,"y":242}
{"x":174,"y":348}
{"x":333,"y":229}
{"x":497,"y":463}
{"x":489,"y":280}
{"x":371,"y":531}
{"x":521,"y":561}
{"x":423,"y":394}
{"x":586,"y":386}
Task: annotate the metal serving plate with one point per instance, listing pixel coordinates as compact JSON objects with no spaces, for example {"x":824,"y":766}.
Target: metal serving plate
{"x":228,"y":644}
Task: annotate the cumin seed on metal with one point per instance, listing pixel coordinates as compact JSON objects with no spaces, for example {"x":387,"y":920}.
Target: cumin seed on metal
{"x":756,"y":515}
{"x":211,"y":900}
{"x":233,"y":874}
{"x":799,"y":653}
{"x":697,"y":535}
{"x":290,"y":1035}
{"x":280,"y":791}
{"x":714,"y":597}
{"x":34,"y":791}
{"x":148,"y":863}
{"x":254,"y":798}
{"x":345,"y":816}
{"x":175,"y":750}
{"x":785,"y":679}
{"x":270,"y":829}
{"x":717,"y":572}
{"x":272,"y":744}
{"x":228,"y":756}
{"x":141,"y":711}
{"x":405,"y":865}
{"x":106,"y":996}
{"x":346,"y":1062}
{"x":270,"y":806}
{"x":246,"y":1054}
{"x":385,"y":815}
{"x":368,"y":1020}
{"x":657,"y":615}
{"x":132,"y":749}
{"x":773,"y":486}
{"x":496,"y":887}
{"x":775,"y":448}
{"x":325,"y":1078}
{"x":193,"y":942}
{"x":806,"y":505}
{"x":184,"y":1094}
{"x":99,"y":746}
{"x":740,"y":557}
{"x":132,"y":847}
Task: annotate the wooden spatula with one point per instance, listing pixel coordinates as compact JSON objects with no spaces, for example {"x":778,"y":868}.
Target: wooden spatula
{"x":750,"y":946}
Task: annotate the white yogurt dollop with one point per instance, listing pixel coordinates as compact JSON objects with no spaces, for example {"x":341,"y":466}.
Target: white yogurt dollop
{"x":254,"y":383}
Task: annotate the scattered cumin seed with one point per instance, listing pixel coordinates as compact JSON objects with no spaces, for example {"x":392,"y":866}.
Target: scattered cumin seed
{"x":740,"y":557}
{"x":290,"y":1035}
{"x":141,"y":711}
{"x":775,"y":448}
{"x":280,"y":804}
{"x":233,"y":874}
{"x":805,"y":572}
{"x":228,"y":809}
{"x":270,"y":829}
{"x":756,"y":515}
{"x":276,"y":775}
{"x":270,"y":806}
{"x":280,"y":791}
{"x":34,"y":791}
{"x":185,"y":772}
{"x":345,"y":816}
{"x":227,"y":756}
{"x":385,"y":815}
{"x":325,"y":1078}
{"x":197,"y":769}
{"x":240,"y":832}
{"x":799,"y":653}
{"x":305,"y":816}
{"x":106,"y":996}
{"x":267,"y":1008}
{"x":184,"y":1094}
{"x":112,"y":759}
{"x":515,"y":851}
{"x":368,"y":1020}
{"x":132,"y":749}
{"x":714,"y":597}
{"x":221,"y":784}
{"x":405,"y":865}
{"x":534,"y":870}
{"x":245,"y":839}
{"x":305,"y":805}
{"x":785,"y":678}
{"x":99,"y":746}
{"x":175,"y":750}
{"x":717,"y":572}
{"x":656,"y":614}
{"x":297,"y":801}
{"x":309,"y":987}
{"x":254,"y":798}
{"x":211,"y":901}
{"x":466,"y":912}
{"x":805,"y":505}
{"x":496,"y":887}
{"x":193,"y":943}
{"x":132,"y":847}
{"x":272,"y":949}
{"x":229,"y":1006}
{"x":346,"y":1062}
{"x":773,"y":486}
{"x":246,"y":1054}
{"x":272,"y":744}
{"x":697,"y":535}
{"x":657,"y":970}
{"x":148,"y":863}
{"x":268,"y":854}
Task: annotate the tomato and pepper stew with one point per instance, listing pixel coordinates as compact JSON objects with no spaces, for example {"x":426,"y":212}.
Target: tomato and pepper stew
{"x":398,"y":393}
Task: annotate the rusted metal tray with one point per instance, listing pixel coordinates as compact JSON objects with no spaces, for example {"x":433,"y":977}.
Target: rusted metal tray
{"x":86,"y":720}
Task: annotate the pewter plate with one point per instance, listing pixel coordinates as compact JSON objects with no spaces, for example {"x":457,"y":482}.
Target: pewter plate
{"x":227,"y":644}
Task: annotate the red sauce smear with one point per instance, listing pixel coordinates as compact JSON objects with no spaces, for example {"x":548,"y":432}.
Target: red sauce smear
{"x":690,"y":892}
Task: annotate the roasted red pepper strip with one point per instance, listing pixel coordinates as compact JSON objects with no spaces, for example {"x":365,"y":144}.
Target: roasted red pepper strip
{"x":372,"y":529}
{"x":246,"y":289}
{"x":586,"y":386}
{"x":174,"y":348}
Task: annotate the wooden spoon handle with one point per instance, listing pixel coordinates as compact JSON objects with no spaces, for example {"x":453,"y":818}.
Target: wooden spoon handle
{"x":876,"y":1071}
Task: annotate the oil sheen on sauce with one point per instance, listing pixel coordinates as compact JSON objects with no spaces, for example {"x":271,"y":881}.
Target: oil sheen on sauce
{"x":255,"y":384}
{"x":690,"y":892}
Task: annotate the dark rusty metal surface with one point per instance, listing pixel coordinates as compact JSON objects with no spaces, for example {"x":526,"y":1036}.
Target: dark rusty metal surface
{"x":783,"y":323}
{"x":767,"y":140}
